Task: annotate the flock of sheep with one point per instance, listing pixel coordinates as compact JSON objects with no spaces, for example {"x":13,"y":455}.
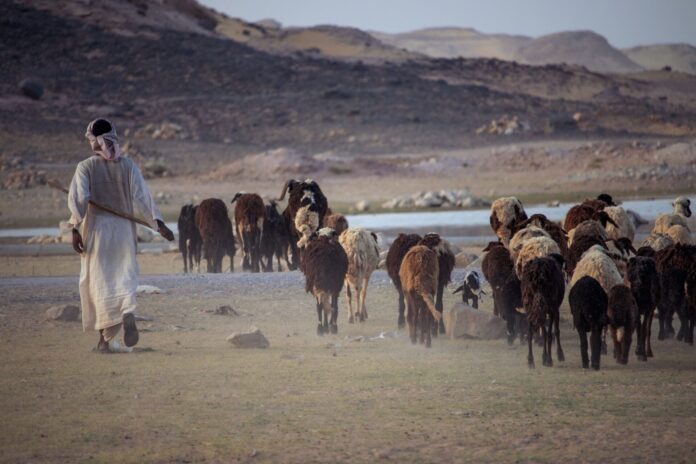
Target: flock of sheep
{"x":613,"y":286}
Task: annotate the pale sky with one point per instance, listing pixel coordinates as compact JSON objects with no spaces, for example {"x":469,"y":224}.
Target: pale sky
{"x":625,"y":23}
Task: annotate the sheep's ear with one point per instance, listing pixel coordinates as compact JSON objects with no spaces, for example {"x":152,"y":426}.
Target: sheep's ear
{"x":374,"y":236}
{"x":236,"y":196}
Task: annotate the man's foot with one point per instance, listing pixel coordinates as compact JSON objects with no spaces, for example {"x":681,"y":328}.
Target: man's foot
{"x":102,"y":345}
{"x":130,"y":331}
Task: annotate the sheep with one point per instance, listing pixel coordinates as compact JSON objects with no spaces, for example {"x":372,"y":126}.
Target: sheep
{"x":552,"y":229}
{"x":306,"y":223}
{"x":190,"y":241}
{"x":622,"y":315}
{"x":471,"y":289}
{"x":337,"y":222}
{"x":324,"y":266}
{"x":597,"y":264}
{"x":446,"y":261}
{"x":506,"y":212}
{"x":644,"y":282}
{"x":274,"y":238}
{"x":586,"y":210}
{"x":363,"y":258}
{"x":536,"y":247}
{"x":395,"y":256}
{"x":622,"y":247}
{"x":691,"y":306}
{"x":521,"y":236}
{"x":308,"y":195}
{"x":679,"y":234}
{"x":419,"y":275}
{"x":578,"y":248}
{"x":657,"y":241}
{"x":543,"y":288}
{"x":674,"y":264}
{"x":588,"y":304}
{"x":681,"y":211}
{"x":215,"y":228}
{"x":620,"y":225}
{"x":588,"y":228}
{"x":249,"y":216}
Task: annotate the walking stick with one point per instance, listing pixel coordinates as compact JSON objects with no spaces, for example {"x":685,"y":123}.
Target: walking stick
{"x":57,"y":186}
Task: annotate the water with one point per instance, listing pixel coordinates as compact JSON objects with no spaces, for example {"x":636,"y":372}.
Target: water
{"x":647,"y":209}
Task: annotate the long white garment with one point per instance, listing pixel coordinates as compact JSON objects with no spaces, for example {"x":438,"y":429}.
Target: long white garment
{"x":109,"y":273}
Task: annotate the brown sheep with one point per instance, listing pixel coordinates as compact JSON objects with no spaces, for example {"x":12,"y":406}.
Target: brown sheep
{"x":446,"y":261}
{"x":325,"y":265}
{"x":506,"y":213}
{"x":337,"y":222}
{"x":419,"y":278}
{"x":249,"y":215}
{"x":308,"y":195}
{"x":395,"y":256}
{"x":215,"y":228}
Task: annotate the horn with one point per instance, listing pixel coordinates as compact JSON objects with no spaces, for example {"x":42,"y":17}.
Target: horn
{"x":287,"y":185}
{"x":237,"y":195}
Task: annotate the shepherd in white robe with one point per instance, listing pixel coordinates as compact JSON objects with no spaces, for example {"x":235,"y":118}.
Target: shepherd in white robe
{"x":109,"y":271}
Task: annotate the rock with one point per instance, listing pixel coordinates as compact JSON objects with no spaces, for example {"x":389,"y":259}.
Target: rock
{"x":362,"y":206}
{"x":253,"y":338}
{"x":464,"y":259}
{"x":145,"y":234}
{"x":149,"y":290}
{"x":63,"y":313}
{"x":224,"y":310}
{"x":31,"y":88}
{"x":463,"y":320}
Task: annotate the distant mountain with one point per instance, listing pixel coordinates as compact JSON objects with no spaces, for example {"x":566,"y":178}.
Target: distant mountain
{"x":453,"y":42}
{"x":584,"y":48}
{"x":680,"y":57}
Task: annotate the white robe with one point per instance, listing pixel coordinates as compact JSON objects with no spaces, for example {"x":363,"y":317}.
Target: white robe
{"x":109,"y":272}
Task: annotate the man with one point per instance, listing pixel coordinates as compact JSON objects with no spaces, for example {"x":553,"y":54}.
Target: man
{"x":109,"y":273}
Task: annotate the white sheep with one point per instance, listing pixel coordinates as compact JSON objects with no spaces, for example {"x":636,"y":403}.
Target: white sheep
{"x":681,"y":210}
{"x":363,"y":258}
{"x":521,"y":236}
{"x":536,"y":247}
{"x":657,"y":241}
{"x":306,"y":223}
{"x":597,"y":264}
{"x":625,"y":229}
{"x":505,"y":213}
{"x":679,"y":234}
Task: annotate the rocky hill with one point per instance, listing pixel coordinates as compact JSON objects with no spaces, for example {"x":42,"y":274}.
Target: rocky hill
{"x":679,"y":57}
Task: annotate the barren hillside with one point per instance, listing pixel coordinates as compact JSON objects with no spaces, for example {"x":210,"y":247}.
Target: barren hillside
{"x":679,"y":57}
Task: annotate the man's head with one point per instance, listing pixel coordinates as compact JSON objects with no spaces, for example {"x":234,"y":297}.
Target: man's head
{"x":103,"y":139}
{"x":100,"y":127}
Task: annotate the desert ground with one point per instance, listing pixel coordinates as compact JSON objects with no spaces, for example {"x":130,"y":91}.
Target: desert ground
{"x":363,"y":395}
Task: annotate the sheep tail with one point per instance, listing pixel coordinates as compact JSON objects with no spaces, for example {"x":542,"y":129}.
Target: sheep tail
{"x":430,"y":303}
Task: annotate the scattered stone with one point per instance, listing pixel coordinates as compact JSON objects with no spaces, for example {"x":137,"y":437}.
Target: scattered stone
{"x":224,"y":310}
{"x":464,"y":321}
{"x":253,"y":338}
{"x":362,"y":206}
{"x":64,"y":313}
{"x":31,"y":88}
{"x":505,"y":125}
{"x":435,"y":199}
{"x":149,"y":290}
{"x":358,"y":339}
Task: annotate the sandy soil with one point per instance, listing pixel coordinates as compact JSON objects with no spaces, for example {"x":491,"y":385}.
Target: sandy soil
{"x":187,"y":396}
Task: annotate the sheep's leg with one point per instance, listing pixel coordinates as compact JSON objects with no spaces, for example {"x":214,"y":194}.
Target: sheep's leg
{"x":583,"y":349}
{"x":511,"y":322}
{"x":474,"y":301}
{"x":424,"y":327}
{"x":363,"y":295}
{"x":557,"y":332}
{"x":641,"y":330}
{"x":648,"y":343}
{"x":320,"y":312}
{"x":661,"y":335}
{"x":428,"y":321}
{"x":604,"y":340}
{"x":617,"y":345}
{"x":548,"y":341}
{"x":683,"y":323}
{"x":349,"y":298}
{"x":439,"y":326}
{"x":401,"y":321}
{"x":412,"y":321}
{"x":596,"y":342}
{"x":334,"y":313}
{"x":626,"y":343}
{"x":669,"y":326}
{"x":530,"y":353}
{"x":522,"y":326}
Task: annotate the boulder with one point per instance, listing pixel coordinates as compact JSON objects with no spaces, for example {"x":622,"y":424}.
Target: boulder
{"x":253,"y":338}
{"x":63,"y":313}
{"x":31,"y":88}
{"x":464,"y":321}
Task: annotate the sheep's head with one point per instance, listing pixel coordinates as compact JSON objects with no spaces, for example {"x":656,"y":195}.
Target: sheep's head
{"x":307,"y":199}
{"x":236,"y":196}
{"x":604,"y":219}
{"x":188,"y":213}
{"x":682,"y":205}
{"x":606,"y":198}
{"x":431,"y":240}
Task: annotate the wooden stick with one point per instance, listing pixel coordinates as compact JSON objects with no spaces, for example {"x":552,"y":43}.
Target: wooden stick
{"x":57,"y":186}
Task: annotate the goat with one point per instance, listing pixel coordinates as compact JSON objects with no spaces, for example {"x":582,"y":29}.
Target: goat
{"x":249,"y":216}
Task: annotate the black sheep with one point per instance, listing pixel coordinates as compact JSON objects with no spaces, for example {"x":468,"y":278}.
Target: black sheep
{"x":645,"y":286}
{"x":543,"y":288}
{"x":471,"y":289}
{"x":588,"y":304}
{"x":674,"y":263}
{"x":395,"y":256}
{"x":691,"y":306}
{"x":274,"y":239}
{"x":215,"y":227}
{"x":622,"y":315}
{"x":190,"y":240}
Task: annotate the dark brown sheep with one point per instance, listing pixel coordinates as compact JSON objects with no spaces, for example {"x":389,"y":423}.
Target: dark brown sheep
{"x":274,"y":239}
{"x":419,"y":278}
{"x":645,"y":286}
{"x":691,"y":306}
{"x":301,"y":194}
{"x":674,"y":264}
{"x":395,"y":256}
{"x":446,"y":261}
{"x":543,"y":287}
{"x":622,"y":315}
{"x":215,"y":228}
{"x":325,"y":265}
{"x":588,"y":304}
{"x":588,"y":209}
{"x":337,"y":222}
{"x":249,"y":215}
{"x":190,"y":241}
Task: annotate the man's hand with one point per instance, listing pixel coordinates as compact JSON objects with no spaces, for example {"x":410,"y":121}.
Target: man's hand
{"x":164,"y":231}
{"x":77,"y":244}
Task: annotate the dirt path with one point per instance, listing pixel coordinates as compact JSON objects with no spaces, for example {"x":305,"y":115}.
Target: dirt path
{"x":188,"y":396}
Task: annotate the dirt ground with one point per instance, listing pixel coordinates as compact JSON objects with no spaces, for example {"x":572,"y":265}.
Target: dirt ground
{"x":187,"y":395}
